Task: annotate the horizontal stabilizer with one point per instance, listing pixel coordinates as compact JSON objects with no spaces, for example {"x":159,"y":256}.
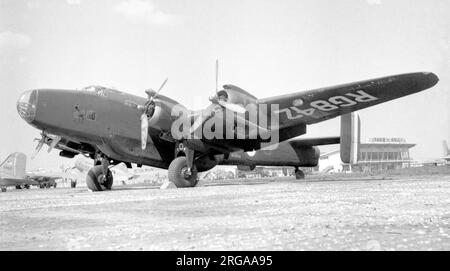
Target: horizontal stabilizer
{"x":309,"y":142}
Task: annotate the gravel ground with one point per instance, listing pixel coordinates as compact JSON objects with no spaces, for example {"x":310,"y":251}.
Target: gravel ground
{"x":359,"y":214}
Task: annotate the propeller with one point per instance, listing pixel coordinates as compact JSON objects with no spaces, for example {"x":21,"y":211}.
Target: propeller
{"x":45,"y":139}
{"x":147,"y":111}
{"x":217,"y":101}
{"x":203,"y":116}
{"x":220,"y":100}
{"x":41,"y":142}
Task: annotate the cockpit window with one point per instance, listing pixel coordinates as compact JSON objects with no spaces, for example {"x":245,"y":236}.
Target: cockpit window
{"x":99,"y":90}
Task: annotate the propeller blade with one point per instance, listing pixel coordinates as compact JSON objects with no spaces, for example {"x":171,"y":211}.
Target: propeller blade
{"x":144,"y":131}
{"x":55,"y":141}
{"x":152,"y":94}
{"x":217,"y":75}
{"x":232,"y":107}
{"x":134,"y":105}
{"x":202,"y":117}
{"x":131,"y":104}
{"x":161,"y":87}
{"x":38,"y":148}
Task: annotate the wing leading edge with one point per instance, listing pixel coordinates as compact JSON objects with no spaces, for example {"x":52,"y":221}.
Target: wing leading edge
{"x":308,"y":107}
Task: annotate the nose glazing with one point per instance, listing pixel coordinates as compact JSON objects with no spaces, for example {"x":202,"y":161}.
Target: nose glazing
{"x":26,"y":105}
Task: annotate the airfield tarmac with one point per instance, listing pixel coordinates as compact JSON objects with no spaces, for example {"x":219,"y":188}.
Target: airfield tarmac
{"x":363,"y":213}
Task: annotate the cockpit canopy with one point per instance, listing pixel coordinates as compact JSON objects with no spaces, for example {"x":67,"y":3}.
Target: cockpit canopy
{"x":99,"y":90}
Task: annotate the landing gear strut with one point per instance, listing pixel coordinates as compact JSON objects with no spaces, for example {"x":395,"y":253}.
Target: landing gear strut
{"x":299,"y":174}
{"x":100,"y":178}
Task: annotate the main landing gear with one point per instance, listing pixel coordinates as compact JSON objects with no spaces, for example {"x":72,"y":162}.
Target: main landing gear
{"x":100,"y":178}
{"x":182,"y":170}
{"x":299,"y":174}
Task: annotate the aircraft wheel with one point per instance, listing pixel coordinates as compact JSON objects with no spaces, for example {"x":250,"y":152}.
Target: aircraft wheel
{"x":97,"y":181}
{"x":18,"y":187}
{"x":299,"y":174}
{"x":3,"y":189}
{"x":73,"y":184}
{"x":27,"y":186}
{"x":178,"y":173}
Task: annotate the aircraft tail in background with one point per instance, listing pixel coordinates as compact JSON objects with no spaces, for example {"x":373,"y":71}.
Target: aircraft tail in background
{"x":14,"y":165}
{"x":445,"y":148}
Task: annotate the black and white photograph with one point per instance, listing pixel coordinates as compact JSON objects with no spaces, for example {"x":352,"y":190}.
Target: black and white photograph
{"x":224,"y":126}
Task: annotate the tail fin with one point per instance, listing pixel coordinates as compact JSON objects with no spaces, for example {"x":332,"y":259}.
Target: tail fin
{"x":350,"y":138}
{"x":445,"y":147}
{"x":15,"y":165}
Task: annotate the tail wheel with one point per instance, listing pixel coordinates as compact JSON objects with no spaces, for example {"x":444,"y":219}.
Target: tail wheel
{"x":97,"y":181}
{"x":179,"y":174}
{"x":299,"y":174}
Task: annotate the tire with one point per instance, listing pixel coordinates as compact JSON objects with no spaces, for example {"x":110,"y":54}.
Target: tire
{"x":73,"y":184}
{"x":299,"y":174}
{"x":176,"y":174}
{"x":95,"y":180}
{"x":3,"y":189}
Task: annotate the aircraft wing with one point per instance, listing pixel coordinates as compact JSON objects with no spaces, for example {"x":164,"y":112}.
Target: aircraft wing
{"x":312,"y":106}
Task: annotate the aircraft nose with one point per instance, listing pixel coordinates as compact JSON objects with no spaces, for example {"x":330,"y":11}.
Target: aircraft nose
{"x":26,"y":105}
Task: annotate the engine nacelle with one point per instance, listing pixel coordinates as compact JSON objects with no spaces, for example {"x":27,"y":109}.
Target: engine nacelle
{"x":159,"y":118}
{"x":237,"y":95}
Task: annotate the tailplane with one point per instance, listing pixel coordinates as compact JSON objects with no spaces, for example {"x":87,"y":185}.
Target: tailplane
{"x":350,"y":138}
{"x":14,"y":165}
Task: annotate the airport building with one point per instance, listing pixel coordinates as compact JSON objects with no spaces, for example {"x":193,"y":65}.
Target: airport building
{"x":376,"y":154}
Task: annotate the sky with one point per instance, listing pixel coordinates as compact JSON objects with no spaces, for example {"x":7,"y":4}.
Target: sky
{"x":266,"y":47}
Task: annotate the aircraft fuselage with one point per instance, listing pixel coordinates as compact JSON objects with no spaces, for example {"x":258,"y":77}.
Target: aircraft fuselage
{"x":99,"y":118}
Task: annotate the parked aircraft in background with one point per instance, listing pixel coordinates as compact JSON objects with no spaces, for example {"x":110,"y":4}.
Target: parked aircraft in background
{"x":112,"y":127}
{"x":13,"y":173}
{"x":446,"y":156}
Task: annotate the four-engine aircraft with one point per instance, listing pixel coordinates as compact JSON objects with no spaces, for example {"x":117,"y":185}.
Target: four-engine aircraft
{"x":238,"y":128}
